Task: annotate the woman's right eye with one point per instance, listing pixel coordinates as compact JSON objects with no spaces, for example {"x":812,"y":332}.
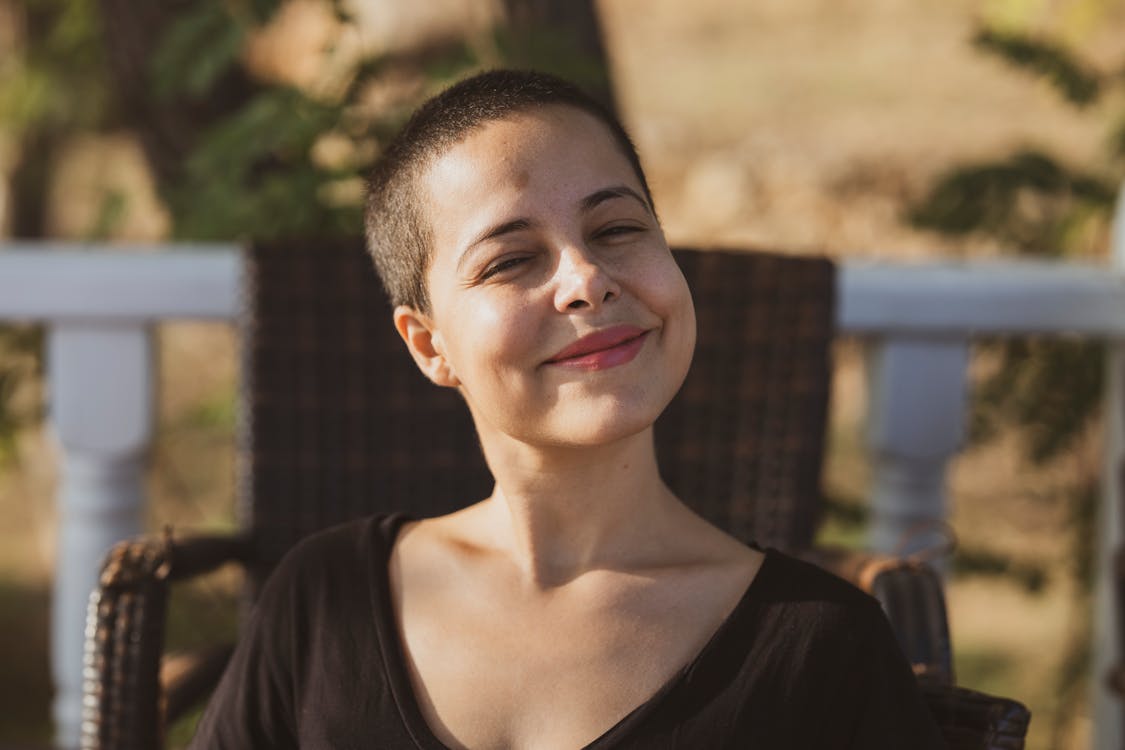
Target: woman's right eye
{"x":502,"y":265}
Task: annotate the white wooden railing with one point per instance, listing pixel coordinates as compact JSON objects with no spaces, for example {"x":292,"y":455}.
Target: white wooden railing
{"x":99,"y":305}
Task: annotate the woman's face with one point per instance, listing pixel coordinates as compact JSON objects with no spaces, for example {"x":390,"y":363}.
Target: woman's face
{"x":557,"y":308}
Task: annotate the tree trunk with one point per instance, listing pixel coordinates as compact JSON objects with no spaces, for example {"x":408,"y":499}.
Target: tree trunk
{"x":575,"y":23}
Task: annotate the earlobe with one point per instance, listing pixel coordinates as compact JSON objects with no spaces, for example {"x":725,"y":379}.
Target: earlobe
{"x":425,"y":345}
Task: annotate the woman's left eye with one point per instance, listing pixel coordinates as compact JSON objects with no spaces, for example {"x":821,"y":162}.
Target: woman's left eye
{"x":618,"y":230}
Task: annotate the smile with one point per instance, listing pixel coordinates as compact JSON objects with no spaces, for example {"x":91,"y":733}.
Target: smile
{"x":603,"y":349}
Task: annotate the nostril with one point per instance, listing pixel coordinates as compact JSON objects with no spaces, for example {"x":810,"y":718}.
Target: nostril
{"x":576,"y":304}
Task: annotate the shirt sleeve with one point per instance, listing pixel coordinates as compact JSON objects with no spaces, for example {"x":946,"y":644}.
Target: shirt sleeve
{"x":891,"y":712}
{"x":253,"y":705}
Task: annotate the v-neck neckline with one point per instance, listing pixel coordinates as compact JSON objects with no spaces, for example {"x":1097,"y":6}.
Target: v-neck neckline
{"x":402,"y":687}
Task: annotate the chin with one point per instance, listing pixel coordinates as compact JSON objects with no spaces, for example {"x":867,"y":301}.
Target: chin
{"x":594,"y":438}
{"x":602,"y":425}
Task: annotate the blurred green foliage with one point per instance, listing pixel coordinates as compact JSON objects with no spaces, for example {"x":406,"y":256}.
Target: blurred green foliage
{"x":20,"y":365}
{"x":1075,"y":80}
{"x":1028,"y":200}
{"x":53,"y":86}
{"x":248,"y":173}
{"x":205,"y":41}
{"x":1050,"y":389}
{"x":1039,"y":206}
{"x":253,"y":172}
{"x":235,"y":155}
{"x":56,"y":79}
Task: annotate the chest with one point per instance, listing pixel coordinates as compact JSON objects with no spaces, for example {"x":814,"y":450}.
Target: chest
{"x":520,"y":676}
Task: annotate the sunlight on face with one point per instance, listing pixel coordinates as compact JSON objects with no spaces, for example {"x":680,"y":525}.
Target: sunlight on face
{"x":542,"y":238}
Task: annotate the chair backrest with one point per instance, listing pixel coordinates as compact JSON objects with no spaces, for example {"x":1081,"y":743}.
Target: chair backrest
{"x":743,"y":441}
{"x":339,"y":423}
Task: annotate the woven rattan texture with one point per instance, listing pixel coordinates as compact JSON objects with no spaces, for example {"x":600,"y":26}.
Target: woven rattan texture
{"x":913,"y":598}
{"x":743,"y":442}
{"x":126,"y":617}
{"x":340,"y":423}
{"x":974,"y":721}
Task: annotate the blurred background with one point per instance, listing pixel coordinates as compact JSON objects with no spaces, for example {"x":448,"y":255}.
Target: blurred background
{"x":890,"y":129}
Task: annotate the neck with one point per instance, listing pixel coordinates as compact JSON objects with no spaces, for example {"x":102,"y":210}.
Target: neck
{"x":559,"y":513}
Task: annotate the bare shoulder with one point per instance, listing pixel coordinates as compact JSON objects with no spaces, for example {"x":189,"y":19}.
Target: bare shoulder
{"x":430,"y":538}
{"x":418,"y":547}
{"x":431,"y":554}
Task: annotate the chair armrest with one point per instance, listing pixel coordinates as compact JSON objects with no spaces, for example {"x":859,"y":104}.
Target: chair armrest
{"x":911,"y":594}
{"x":122,"y":695}
{"x":975,"y":721}
{"x":912,"y":598}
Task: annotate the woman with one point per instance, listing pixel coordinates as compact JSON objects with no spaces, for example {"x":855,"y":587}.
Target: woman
{"x":581,"y":604}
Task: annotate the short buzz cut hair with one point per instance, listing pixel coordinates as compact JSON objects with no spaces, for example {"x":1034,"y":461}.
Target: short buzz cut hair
{"x":398,"y":233}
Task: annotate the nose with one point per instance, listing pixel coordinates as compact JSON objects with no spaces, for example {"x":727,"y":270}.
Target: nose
{"x":582,"y":281}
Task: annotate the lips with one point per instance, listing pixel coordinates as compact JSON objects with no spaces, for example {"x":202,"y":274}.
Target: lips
{"x":606,"y":348}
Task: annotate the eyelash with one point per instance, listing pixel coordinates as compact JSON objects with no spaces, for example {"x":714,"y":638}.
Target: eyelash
{"x":619,"y":229}
{"x":608,"y":232}
{"x":503,"y":265}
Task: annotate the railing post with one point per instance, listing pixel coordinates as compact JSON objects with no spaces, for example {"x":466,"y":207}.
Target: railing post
{"x":915,"y":426}
{"x":1109,"y":732}
{"x":101,"y":407}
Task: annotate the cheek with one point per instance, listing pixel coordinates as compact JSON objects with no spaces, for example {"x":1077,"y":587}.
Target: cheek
{"x":489,"y":341}
{"x":686,"y":316}
{"x":672,"y":300}
{"x":670,"y":295}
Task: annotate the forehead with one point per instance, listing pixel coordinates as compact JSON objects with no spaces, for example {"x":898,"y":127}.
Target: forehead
{"x":540,"y":160}
{"x":524,"y":137}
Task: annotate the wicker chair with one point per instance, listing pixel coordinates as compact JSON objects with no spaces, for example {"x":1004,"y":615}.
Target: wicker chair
{"x":327,"y":382}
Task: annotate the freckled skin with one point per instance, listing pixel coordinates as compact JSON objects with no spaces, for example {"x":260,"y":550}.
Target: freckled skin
{"x":494,"y":335}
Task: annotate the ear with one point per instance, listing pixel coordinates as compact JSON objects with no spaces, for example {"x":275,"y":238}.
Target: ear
{"x":425,"y":344}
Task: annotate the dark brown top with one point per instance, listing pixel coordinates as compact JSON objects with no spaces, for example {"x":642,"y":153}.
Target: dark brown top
{"x":805,"y":660}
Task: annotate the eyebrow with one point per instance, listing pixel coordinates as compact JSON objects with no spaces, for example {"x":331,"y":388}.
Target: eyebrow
{"x":594,"y":200}
{"x":589,"y":203}
{"x":507,"y":227}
